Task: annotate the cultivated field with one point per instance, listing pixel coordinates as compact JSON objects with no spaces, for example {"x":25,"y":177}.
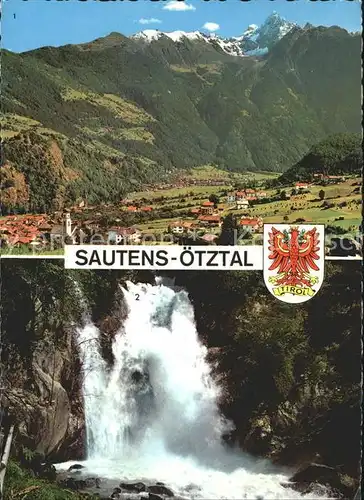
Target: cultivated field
{"x":336,"y":205}
{"x":340,"y":206}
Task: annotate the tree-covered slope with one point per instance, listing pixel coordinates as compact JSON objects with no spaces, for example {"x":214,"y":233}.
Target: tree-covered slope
{"x":124,"y":112}
{"x":338,"y":154}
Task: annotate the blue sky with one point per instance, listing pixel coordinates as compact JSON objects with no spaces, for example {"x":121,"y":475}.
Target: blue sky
{"x":28,"y":24}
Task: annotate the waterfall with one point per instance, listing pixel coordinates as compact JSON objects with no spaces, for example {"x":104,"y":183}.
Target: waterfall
{"x":154,"y":415}
{"x":94,"y":370}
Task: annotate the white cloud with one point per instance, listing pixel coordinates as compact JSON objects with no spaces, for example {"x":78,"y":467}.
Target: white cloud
{"x":150,"y":20}
{"x":176,"y":6}
{"x":211,"y":26}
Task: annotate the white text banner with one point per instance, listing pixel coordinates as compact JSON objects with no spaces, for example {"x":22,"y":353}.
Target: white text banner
{"x":173,"y":257}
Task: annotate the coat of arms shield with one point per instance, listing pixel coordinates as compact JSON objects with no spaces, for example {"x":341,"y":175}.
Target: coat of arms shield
{"x":293,"y":260}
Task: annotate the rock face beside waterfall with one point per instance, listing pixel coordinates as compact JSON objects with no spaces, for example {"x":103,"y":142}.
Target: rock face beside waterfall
{"x":110,"y":323}
{"x":47,"y":402}
{"x":290,"y":385}
{"x":41,"y":364}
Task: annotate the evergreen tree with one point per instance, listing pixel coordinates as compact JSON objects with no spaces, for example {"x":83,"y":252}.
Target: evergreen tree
{"x":229,"y":231}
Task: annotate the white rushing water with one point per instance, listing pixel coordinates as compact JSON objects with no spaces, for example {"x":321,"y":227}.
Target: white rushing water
{"x":154,"y":414}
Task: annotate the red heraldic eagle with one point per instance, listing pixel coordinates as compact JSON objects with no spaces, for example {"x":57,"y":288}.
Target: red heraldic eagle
{"x":294,"y":256}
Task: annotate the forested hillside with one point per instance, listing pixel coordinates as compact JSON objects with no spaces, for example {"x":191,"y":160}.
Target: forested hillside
{"x":338,"y":154}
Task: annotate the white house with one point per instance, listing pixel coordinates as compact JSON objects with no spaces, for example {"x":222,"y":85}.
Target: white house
{"x":242,"y":203}
{"x":177,"y":228}
{"x":231,"y":197}
{"x":126,"y":235}
{"x":301,"y":185}
{"x":180,"y":227}
{"x":250,"y":224}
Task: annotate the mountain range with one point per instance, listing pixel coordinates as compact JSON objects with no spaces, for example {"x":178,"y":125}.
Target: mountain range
{"x":100,"y":119}
{"x":256,"y":40}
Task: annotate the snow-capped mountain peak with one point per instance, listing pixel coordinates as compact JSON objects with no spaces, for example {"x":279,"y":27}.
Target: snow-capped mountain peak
{"x":262,"y":38}
{"x":176,"y":36}
{"x":255,"y":40}
{"x":251,"y":29}
{"x":274,"y":28}
{"x":249,"y":32}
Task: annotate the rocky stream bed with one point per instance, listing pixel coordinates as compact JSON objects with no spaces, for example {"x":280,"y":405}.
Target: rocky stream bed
{"x":312,"y":481}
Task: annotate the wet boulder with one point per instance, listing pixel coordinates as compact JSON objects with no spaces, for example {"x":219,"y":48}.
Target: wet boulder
{"x":153,"y":496}
{"x":91,"y":482}
{"x":43,"y":469}
{"x":73,"y":484}
{"x":48,"y":471}
{"x":138,"y":487}
{"x":75,"y":467}
{"x":159,"y":489}
{"x":308,"y":478}
{"x":313,"y":473}
{"x":116,"y":493}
